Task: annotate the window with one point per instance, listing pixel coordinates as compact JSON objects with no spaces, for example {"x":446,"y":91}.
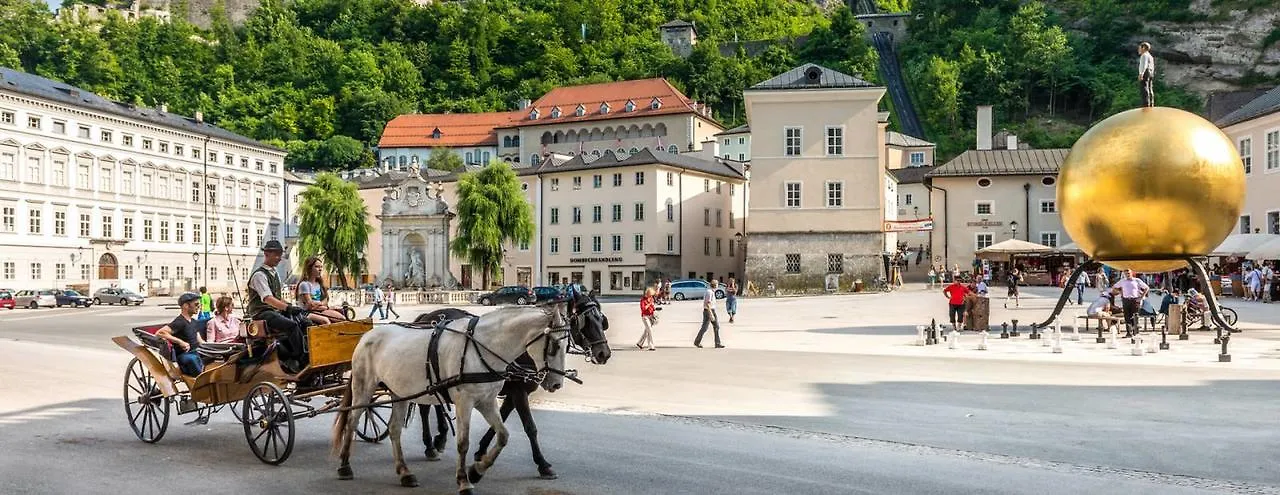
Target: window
{"x":82,"y":176}
{"x":275,"y":232}
{"x":598,"y":180}
{"x":671,"y":243}
{"x":1049,"y":239}
{"x":1273,"y":150}
{"x":126,"y":182}
{"x":617,"y":213}
{"x":108,"y":225}
{"x":983,"y":240}
{"x":195,"y":192}
{"x":577,"y":214}
{"x":835,"y":194}
{"x":1273,"y":222}
{"x":244,"y":237}
{"x":706,"y":217}
{"x":719,"y":252}
{"x":60,"y":271}
{"x":555,"y":216}
{"x":257,"y":234}
{"x":907,"y":199}
{"x":126,"y":140}
{"x":33,"y":170}
{"x":732,"y":248}
{"x":164,"y":147}
{"x":835,"y":263}
{"x":706,"y":246}
{"x":792,"y":197}
{"x":1245,"y":226}
{"x":1048,"y":206}
{"x":731,"y":222}
{"x":9,"y":215}
{"x":706,"y":185}
{"x":128,"y":227}
{"x":555,"y":245}
{"x":984,"y":182}
{"x":146,"y":229}
{"x":638,"y":242}
{"x":105,"y":136}
{"x":595,"y":244}
{"x":1246,"y":154}
{"x":983,"y":207}
{"x":639,"y":178}
{"x":60,"y":223}
{"x":180,"y":233}
{"x":8,"y":164}
{"x":597,"y":214}
{"x":128,"y":271}
{"x":257,"y":164}
{"x":213,"y":273}
{"x":835,"y":141}
{"x":718,"y":184}
{"x":555,"y":184}
{"x":84,"y":225}
{"x":59,"y":173}
{"x":244,"y":197}
{"x":164,"y":231}
{"x":1048,"y":180}
{"x":671,"y":212}
{"x":59,"y":127}
{"x":577,"y":244}
{"x":195,"y":153}
{"x":257,"y":201}
{"x":917,"y":159}
{"x":719,"y":217}
{"x":146,"y":185}
{"x":617,"y":243}
{"x":617,"y":180}
{"x":671,"y":178}
{"x":180,"y":272}
{"x":35,"y":271}
{"x":33,"y":121}
{"x":577,"y":182}
{"x":8,"y":265}
{"x":639,"y":212}
{"x":105,"y":177}
{"x":179,"y":150}
{"x":231,"y":235}
{"x":196,"y":232}
{"x":791,"y":141}
{"x":793,"y":263}
{"x":146,"y":144}
{"x":229,"y":159}
{"x":244,"y":162}
{"x":33,"y":219}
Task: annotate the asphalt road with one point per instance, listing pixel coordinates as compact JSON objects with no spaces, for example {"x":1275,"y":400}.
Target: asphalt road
{"x":771,"y":417}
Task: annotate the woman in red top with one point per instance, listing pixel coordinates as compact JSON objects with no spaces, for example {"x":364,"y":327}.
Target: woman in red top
{"x":647,"y":310}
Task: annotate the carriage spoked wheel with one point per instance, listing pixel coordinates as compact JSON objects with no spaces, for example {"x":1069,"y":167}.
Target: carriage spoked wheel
{"x":374,"y":424}
{"x":145,"y":406}
{"x":268,"y":423}
{"x":234,"y":406}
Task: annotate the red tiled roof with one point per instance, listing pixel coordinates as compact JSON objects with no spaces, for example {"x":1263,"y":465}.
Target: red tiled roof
{"x":456,"y":129}
{"x":616,"y":94}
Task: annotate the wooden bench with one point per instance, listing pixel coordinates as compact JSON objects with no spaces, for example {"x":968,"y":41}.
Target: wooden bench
{"x":1100,"y":319}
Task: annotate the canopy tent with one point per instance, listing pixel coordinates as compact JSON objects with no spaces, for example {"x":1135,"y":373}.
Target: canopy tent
{"x":1070,"y":248}
{"x":1269,"y":250}
{"x":1006,"y":249}
{"x":1243,"y":244}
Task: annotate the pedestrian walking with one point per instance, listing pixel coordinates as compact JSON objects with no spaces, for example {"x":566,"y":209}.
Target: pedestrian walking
{"x":378,"y":298}
{"x":933,"y":277}
{"x":1081,"y":281}
{"x":1012,"y":280}
{"x":731,"y":298}
{"x":1132,"y":291}
{"x":709,"y":317}
{"x":1146,"y":74}
{"x":649,"y":317}
{"x":1267,"y":275}
{"x":391,"y":304}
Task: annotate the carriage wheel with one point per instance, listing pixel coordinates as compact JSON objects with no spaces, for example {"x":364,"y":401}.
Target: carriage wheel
{"x":144,"y":405}
{"x":349,"y":312}
{"x":374,"y":424}
{"x":268,"y":423}
{"x":234,"y":406}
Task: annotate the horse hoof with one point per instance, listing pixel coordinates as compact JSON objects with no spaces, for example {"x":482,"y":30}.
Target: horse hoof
{"x":472,"y":475}
{"x":546,"y":473}
{"x":345,"y":473}
{"x":433,"y":455}
{"x":478,"y":456}
{"x":465,"y":491}
{"x":409,"y":480}
{"x":440,"y":443}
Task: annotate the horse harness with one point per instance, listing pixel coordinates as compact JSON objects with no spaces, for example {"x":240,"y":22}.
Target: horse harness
{"x":511,"y":371}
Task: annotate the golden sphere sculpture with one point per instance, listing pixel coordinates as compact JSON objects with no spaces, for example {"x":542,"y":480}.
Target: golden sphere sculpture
{"x":1148,"y":187}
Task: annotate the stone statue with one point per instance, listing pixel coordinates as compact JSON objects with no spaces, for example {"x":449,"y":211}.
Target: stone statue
{"x":415,"y":275}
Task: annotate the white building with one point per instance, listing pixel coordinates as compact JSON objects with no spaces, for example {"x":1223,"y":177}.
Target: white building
{"x":735,"y":144}
{"x":95,"y":192}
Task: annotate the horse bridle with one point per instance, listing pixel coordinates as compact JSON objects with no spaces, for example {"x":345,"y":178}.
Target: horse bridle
{"x":577,"y":321}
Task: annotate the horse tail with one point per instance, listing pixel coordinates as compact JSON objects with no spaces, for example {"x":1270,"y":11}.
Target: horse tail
{"x":340,"y":423}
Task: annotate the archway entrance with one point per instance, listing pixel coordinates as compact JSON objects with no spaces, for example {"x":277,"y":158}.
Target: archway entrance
{"x":107,"y":268}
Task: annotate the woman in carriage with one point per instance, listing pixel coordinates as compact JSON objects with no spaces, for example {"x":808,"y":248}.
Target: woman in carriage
{"x":314,"y":296}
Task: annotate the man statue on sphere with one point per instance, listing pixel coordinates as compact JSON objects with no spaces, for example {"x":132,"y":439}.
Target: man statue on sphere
{"x":1146,"y":74}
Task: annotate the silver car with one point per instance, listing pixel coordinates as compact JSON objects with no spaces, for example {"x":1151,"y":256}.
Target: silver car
{"x":692,"y":289}
{"x":33,"y":299}
{"x":107,"y":295}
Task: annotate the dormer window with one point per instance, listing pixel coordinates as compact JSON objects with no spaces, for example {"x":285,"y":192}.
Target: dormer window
{"x":435,"y":134}
{"x":604,"y":108}
{"x":555,"y":113}
{"x":580,"y":111}
{"x":655,"y":104}
{"x":630,"y":107}
{"x":534,"y":114}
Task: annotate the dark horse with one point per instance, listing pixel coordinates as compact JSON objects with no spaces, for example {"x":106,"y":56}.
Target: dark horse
{"x":515,"y":392}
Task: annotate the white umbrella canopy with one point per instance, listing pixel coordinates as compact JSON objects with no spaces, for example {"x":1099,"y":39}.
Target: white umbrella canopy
{"x":1014,"y":246}
{"x":1243,"y":244}
{"x":1070,"y":248}
{"x":1269,"y":250}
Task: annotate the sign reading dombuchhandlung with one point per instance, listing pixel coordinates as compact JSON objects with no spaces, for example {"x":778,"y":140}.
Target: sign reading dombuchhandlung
{"x":923,"y":224}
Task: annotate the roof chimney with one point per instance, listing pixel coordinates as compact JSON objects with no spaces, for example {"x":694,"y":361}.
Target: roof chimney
{"x":984,"y":127}
{"x":199,"y":117}
{"x":1011,"y":142}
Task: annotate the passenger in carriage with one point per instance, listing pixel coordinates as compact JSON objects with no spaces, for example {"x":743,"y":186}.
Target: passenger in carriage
{"x":265,"y":304}
{"x":313,"y":295}
{"x":224,"y":328}
{"x":183,"y":333}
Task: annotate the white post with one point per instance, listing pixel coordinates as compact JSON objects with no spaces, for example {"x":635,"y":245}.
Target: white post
{"x":955,"y":339}
{"x":920,"y":335}
{"x":1057,"y":336}
{"x":982,"y":346}
{"x":1111,"y":344}
{"x":1137,"y":346}
{"x":1075,"y":327}
{"x":1151,"y":346}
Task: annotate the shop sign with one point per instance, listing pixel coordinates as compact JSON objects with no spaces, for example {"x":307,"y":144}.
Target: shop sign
{"x":595,"y":260}
{"x":985,"y":223}
{"x":923,"y":224}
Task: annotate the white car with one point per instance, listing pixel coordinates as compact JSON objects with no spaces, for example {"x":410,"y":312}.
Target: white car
{"x":36,"y":299}
{"x":692,"y":289}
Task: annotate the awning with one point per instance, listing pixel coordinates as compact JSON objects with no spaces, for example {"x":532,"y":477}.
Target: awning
{"x":1007,"y":249}
{"x":1269,"y":250}
{"x":1243,"y":244}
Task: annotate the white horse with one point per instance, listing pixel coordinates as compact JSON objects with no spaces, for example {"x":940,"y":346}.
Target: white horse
{"x":398,"y":358}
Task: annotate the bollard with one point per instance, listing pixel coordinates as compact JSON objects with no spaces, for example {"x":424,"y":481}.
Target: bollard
{"x":1004,"y":330}
{"x":982,"y":346}
{"x":954,"y":341}
{"x":1101,"y":339}
{"x":1075,"y":327}
{"x":1035,"y":332}
{"x":920,"y":335}
{"x":1111,"y":344}
{"x":1164,"y":339}
{"x":1151,"y":346}
{"x":1223,"y":357}
{"x":1137,"y":346}
{"x":1014,"y":333}
{"x":1057,"y":341}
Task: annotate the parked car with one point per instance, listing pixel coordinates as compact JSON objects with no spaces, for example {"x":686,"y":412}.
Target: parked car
{"x":108,"y":295}
{"x":692,"y":289}
{"x":547,"y":293}
{"x":6,"y":299}
{"x":71,"y":298}
{"x":36,"y":298}
{"x":517,"y":294}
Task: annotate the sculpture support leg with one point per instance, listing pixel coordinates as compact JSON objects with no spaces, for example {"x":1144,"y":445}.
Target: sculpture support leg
{"x":1066,"y":293}
{"x":1214,"y":312}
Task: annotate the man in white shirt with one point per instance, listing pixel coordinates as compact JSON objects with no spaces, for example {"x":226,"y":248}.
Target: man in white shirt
{"x":709,"y":317}
{"x":1267,"y":275}
{"x":1133,"y":290}
{"x":378,"y":298}
{"x":1146,"y":74}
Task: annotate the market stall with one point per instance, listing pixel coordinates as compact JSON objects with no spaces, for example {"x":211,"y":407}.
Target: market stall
{"x":1040,"y":264}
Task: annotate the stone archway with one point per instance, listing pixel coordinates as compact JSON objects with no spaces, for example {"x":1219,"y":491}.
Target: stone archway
{"x":108,"y":269}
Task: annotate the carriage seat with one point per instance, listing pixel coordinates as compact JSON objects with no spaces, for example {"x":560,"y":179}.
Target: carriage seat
{"x":219,"y":351}
{"x":147,"y":335}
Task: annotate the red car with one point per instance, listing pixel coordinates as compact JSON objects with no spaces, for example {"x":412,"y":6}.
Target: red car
{"x":6,"y":299}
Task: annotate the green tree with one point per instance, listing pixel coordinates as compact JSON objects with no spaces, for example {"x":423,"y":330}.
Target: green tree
{"x":331,"y":224}
{"x":941,"y":107}
{"x":492,"y":213}
{"x":444,"y":159}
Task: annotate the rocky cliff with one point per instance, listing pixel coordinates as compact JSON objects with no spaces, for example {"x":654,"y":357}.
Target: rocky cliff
{"x":1221,"y":52}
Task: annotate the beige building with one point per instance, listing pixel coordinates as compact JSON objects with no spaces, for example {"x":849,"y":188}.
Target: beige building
{"x":1255,"y":128}
{"x":820,"y":191}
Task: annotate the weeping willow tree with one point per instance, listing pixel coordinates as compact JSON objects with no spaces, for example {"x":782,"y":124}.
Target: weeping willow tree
{"x":492,"y":213}
{"x":331,"y":224}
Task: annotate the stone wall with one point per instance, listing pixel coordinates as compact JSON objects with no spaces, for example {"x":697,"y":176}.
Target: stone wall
{"x":767,"y":259}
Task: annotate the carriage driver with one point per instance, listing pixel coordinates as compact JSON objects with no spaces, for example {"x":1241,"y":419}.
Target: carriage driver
{"x":265,"y":304}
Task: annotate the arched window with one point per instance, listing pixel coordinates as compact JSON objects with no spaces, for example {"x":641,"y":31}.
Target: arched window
{"x":403,"y":160}
{"x":673,"y":149}
{"x":515,"y":141}
{"x":595,"y":152}
{"x":555,"y":113}
{"x":622,"y":151}
{"x":635,"y":150}
{"x":533,"y":159}
{"x":506,"y":141}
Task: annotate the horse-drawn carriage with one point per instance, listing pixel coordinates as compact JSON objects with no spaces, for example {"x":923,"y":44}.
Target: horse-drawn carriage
{"x":249,"y":380}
